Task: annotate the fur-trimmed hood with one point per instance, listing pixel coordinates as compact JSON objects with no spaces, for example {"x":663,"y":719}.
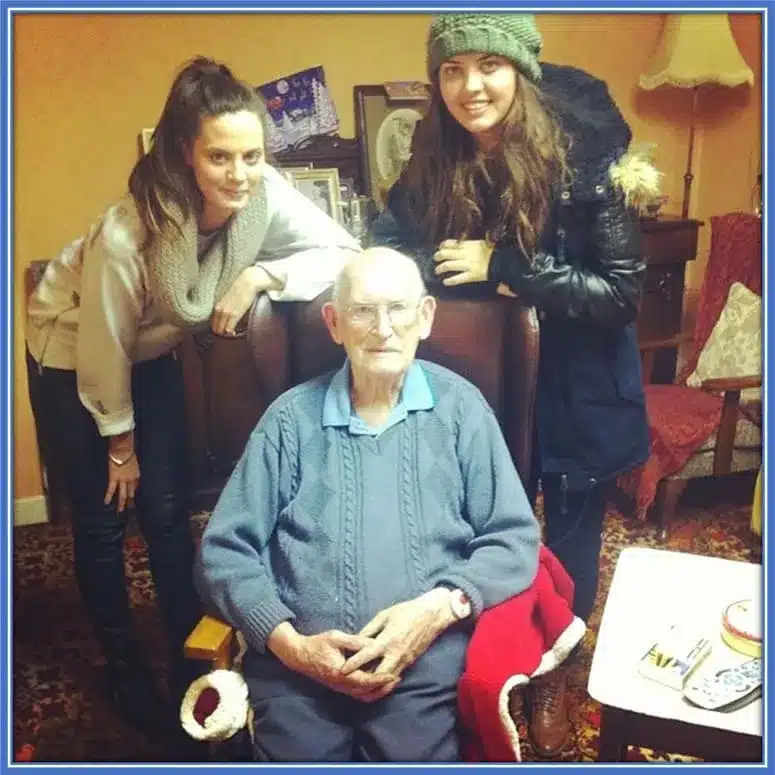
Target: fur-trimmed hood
{"x":637,"y":177}
{"x":599,"y":136}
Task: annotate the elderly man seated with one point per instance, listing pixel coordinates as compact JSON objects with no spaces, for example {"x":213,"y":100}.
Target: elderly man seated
{"x":374,"y":515}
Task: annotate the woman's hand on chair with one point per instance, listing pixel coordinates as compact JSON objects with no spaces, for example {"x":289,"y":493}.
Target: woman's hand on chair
{"x":463,"y":261}
{"x":231,"y":308}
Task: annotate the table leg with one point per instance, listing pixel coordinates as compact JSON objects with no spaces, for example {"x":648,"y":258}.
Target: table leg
{"x":612,"y":747}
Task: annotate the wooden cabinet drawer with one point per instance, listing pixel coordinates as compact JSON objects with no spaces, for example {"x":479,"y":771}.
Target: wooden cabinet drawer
{"x":670,"y":246}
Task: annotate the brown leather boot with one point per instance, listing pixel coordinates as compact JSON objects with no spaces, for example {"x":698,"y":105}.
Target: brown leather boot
{"x":549,"y":724}
{"x":517,"y":704}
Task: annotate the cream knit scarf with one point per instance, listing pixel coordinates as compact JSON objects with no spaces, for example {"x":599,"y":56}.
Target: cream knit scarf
{"x":188,"y":288}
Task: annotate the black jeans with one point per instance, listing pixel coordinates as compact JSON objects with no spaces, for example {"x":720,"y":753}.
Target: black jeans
{"x":71,"y":436}
{"x":573,"y":522}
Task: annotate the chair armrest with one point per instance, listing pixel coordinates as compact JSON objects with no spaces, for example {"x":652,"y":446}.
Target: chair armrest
{"x":731,"y":383}
{"x":730,"y":412}
{"x":663,"y":344}
{"x":211,"y":640}
{"x":649,"y":348}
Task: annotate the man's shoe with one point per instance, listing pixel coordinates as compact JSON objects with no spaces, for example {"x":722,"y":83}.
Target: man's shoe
{"x":517,"y":704}
{"x":549,"y":725}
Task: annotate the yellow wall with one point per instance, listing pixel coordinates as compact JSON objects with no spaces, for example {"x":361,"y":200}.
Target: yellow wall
{"x":85,"y":84}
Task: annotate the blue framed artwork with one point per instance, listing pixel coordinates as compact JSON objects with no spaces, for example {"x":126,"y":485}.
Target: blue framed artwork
{"x":300,"y":106}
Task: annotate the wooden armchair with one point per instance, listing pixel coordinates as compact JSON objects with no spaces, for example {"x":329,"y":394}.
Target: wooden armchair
{"x":492,"y":342}
{"x":212,"y":641}
{"x":703,"y":430}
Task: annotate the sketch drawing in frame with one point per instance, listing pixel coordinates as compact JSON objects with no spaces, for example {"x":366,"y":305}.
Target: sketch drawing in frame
{"x":385,"y":128}
{"x":320,"y":186}
{"x":146,"y":137}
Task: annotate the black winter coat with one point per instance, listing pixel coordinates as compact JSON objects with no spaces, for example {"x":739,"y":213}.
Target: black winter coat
{"x":585,"y":279}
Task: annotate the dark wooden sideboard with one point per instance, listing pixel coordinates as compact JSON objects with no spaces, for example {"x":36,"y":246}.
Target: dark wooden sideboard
{"x":225,"y":394}
{"x":669,"y":243}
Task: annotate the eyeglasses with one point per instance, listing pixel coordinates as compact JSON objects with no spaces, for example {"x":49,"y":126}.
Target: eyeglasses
{"x":400,"y":314}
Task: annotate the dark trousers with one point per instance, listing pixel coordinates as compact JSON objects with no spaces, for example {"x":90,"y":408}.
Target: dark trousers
{"x":573,"y":522}
{"x":72,"y":438}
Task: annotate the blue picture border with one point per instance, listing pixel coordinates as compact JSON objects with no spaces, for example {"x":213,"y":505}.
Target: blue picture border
{"x":8,"y":9}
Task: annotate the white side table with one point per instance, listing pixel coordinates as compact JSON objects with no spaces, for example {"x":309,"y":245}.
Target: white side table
{"x":652,"y":588}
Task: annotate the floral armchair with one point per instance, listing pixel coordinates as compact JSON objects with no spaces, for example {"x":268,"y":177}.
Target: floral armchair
{"x":699,"y":425}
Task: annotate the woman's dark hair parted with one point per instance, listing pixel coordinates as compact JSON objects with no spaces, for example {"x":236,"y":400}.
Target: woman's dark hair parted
{"x":489,"y":195}
{"x":161,"y":179}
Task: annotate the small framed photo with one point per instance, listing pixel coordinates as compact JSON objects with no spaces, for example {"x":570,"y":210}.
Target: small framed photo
{"x":287,"y":171}
{"x":146,"y":135}
{"x":320,"y":186}
{"x":346,"y":195}
{"x":385,"y":127}
{"x":346,"y":189}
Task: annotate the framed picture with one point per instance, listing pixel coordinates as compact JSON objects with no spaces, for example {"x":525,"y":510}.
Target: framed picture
{"x":300,"y":106}
{"x":384,"y":127}
{"x":145,"y":140}
{"x":287,"y":172}
{"x":320,"y":186}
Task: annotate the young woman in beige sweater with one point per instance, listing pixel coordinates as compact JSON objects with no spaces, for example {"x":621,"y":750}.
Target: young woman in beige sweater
{"x":206,"y":226}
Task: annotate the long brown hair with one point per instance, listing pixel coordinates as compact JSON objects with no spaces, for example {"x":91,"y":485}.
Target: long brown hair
{"x":463,"y":193}
{"x":161,"y":180}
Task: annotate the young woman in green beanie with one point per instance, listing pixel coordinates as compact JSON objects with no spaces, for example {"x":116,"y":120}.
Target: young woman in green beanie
{"x":516,"y":185}
{"x":206,"y":226}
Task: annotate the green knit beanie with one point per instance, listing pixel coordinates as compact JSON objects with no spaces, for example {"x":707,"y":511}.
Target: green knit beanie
{"x":511,"y":35}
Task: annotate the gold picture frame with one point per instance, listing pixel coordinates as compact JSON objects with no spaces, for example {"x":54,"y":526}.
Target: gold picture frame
{"x":287,"y":172}
{"x":320,"y":186}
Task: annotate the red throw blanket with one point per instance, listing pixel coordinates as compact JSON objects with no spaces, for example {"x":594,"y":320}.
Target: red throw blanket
{"x":681,"y":420}
{"x":522,"y":638}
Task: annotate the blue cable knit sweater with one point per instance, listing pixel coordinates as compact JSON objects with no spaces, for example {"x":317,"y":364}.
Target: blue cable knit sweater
{"x":325,"y":528}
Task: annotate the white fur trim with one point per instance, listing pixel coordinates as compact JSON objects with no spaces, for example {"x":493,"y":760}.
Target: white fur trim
{"x":550,"y":660}
{"x":503,"y":712}
{"x":229,"y":716}
{"x":563,"y":646}
{"x":637,"y":177}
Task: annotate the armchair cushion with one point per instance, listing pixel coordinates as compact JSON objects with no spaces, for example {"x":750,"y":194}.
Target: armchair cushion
{"x":733,"y":348}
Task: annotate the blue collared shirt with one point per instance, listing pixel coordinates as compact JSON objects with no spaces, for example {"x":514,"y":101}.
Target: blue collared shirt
{"x":415,"y":396}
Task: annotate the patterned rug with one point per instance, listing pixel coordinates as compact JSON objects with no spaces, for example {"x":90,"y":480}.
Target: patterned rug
{"x":60,"y":710}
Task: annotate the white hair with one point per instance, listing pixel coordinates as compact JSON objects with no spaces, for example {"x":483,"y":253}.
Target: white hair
{"x":343,"y":281}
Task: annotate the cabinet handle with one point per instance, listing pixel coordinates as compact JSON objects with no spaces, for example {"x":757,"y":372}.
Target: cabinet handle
{"x":665,"y":286}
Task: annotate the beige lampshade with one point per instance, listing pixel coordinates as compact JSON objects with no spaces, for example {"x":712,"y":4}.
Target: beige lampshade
{"x":695,"y":49}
